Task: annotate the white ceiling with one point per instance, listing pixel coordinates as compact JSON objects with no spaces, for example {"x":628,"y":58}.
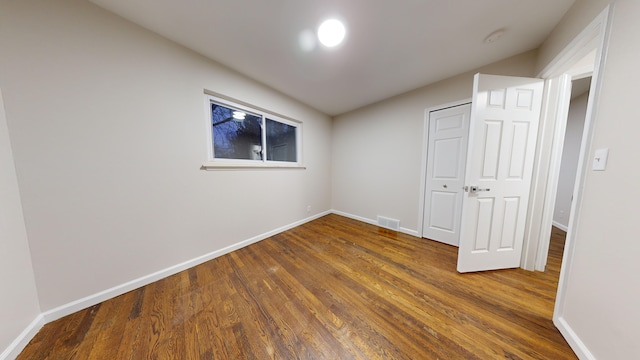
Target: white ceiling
{"x":391,"y":46}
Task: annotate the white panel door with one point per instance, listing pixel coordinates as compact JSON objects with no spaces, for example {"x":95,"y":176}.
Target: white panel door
{"x":502,"y":141}
{"x":446,"y":160}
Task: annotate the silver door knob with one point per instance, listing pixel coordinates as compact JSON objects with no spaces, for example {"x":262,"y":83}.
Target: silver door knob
{"x":475,"y":189}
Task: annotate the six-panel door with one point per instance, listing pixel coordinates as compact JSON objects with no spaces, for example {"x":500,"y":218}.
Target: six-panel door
{"x":446,"y":160}
{"x":502,"y":140}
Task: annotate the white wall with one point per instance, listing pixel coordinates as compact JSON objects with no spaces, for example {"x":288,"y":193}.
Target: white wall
{"x":569,"y":166}
{"x":377,"y":150}
{"x":18,"y":297}
{"x":107,"y":122}
{"x":601,"y":301}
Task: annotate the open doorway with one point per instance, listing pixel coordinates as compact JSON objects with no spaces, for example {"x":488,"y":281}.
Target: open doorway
{"x":571,"y":152}
{"x":592,"y":40}
{"x":582,"y":58}
{"x":568,"y":171}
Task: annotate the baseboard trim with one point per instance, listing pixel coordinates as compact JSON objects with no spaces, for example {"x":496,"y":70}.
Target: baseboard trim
{"x":572,"y":338}
{"x":560,"y":226}
{"x":80,"y":304}
{"x":16,"y":347}
{"x":373,"y":222}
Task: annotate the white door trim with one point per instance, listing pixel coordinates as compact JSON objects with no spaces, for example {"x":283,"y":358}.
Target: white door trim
{"x":595,"y":35}
{"x":536,"y":243}
{"x":553,"y":124}
{"x":423,"y":165}
{"x":604,"y":25}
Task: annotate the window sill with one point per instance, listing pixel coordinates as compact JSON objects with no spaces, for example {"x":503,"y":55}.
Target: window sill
{"x":223,"y":166}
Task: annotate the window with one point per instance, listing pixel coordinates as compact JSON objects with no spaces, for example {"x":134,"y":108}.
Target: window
{"x":281,"y":141}
{"x":244,"y":137}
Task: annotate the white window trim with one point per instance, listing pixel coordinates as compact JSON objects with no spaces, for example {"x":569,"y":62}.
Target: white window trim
{"x":228,"y":164}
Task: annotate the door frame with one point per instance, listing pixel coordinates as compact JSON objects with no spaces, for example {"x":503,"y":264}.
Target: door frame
{"x":568,"y":62}
{"x":593,"y":36}
{"x":423,"y":166}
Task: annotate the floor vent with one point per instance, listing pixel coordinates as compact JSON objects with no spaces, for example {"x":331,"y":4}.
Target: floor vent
{"x":388,"y":223}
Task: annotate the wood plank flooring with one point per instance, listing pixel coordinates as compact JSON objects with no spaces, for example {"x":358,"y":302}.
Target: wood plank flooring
{"x":334,"y":288}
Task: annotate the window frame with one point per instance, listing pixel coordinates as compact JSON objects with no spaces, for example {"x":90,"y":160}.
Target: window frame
{"x":213,"y":163}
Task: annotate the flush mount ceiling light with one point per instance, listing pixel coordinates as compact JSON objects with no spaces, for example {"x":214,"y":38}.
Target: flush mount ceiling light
{"x":331,"y":33}
{"x":239,"y":115}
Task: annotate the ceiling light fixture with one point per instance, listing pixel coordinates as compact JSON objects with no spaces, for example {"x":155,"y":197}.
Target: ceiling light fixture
{"x":331,"y":33}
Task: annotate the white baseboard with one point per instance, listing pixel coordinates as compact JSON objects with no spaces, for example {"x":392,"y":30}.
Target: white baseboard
{"x":374,"y":222}
{"x":107,"y":294}
{"x":16,"y":347}
{"x":560,"y":226}
{"x":572,"y":338}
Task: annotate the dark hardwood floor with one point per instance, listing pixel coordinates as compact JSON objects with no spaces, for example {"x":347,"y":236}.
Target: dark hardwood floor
{"x":334,"y":288}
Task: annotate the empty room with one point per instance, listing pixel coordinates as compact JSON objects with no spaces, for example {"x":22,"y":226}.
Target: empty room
{"x":237,"y":179}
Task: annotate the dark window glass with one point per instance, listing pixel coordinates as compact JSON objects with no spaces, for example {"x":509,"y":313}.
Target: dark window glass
{"x":235,"y":137}
{"x":281,"y":141}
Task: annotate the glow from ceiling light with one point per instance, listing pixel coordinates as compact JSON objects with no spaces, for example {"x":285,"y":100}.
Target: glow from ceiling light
{"x":331,"y":33}
{"x":239,"y":115}
{"x":307,"y":40}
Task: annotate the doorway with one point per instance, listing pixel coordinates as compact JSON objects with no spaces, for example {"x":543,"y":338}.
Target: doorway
{"x":571,"y":152}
